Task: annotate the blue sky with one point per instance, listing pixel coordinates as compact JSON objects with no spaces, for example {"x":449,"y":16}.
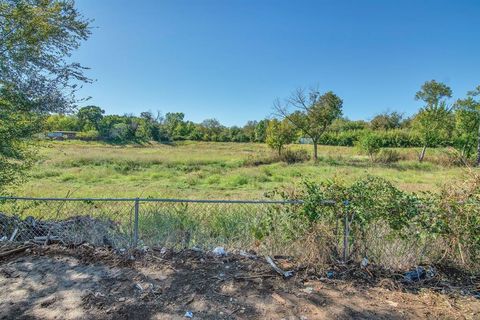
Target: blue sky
{"x":230,"y":59}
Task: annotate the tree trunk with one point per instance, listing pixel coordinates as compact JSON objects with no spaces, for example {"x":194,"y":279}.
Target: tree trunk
{"x":422,"y":154}
{"x":478,"y":147}
{"x":315,"y":150}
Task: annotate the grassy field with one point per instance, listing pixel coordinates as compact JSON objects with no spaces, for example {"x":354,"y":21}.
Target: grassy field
{"x":198,"y":170}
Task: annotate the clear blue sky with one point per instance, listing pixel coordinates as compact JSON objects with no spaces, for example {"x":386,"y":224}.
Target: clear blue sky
{"x":230,"y":59}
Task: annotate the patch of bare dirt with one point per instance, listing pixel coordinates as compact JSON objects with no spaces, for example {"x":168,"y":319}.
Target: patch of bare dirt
{"x":93,"y":283}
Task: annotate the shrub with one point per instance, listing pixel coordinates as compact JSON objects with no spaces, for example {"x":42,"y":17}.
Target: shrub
{"x":90,"y":135}
{"x":255,"y":161}
{"x":294,"y":156}
{"x":370,"y":144}
{"x":388,"y":156}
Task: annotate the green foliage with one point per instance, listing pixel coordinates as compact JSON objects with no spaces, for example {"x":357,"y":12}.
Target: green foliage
{"x":37,"y":74}
{"x":314,"y":113}
{"x":387,"y":156}
{"x":17,"y":125}
{"x":89,"y":118}
{"x":445,"y":225}
{"x":435,"y":120}
{"x":386,"y":121}
{"x":370,"y":144}
{"x":467,"y":120}
{"x":90,"y":135}
{"x":279,"y":133}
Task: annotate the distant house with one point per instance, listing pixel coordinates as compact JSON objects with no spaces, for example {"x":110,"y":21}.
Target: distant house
{"x":62,"y":135}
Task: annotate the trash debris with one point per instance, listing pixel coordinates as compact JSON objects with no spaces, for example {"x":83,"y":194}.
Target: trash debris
{"x":72,"y":231}
{"x":188,"y":314}
{"x":330,"y":274}
{"x":219,"y":251}
{"x":285,"y":274}
{"x":364,"y":262}
{"x":247,"y":255}
{"x":419,"y":273}
{"x":307,"y":290}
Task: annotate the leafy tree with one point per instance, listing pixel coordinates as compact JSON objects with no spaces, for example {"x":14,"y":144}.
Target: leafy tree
{"x":313,"y":113}
{"x":468,"y":121}
{"x":36,"y":75}
{"x":61,"y":122}
{"x":370,"y":143}
{"x":211,"y":129}
{"x":279,"y":133}
{"x":261,"y":131}
{"x":434,"y":121}
{"x":89,"y":118}
{"x":175,"y":125}
{"x":344,"y":124}
{"x":386,"y":121}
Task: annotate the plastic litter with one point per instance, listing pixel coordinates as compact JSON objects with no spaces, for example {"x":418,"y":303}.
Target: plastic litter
{"x":419,"y":273}
{"x":330,"y":274}
{"x":364,"y":262}
{"x":219,"y":251}
{"x":188,"y":314}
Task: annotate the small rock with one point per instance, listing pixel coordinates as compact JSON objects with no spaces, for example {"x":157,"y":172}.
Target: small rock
{"x":122,"y":299}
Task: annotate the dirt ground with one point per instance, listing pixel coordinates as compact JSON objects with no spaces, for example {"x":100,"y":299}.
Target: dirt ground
{"x":91,"y":283}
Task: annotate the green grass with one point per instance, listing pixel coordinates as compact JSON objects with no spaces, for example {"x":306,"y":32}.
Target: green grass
{"x":209,"y":170}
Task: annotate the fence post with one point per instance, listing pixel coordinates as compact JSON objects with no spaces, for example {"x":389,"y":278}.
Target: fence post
{"x":345,"y":238}
{"x":135,"y":223}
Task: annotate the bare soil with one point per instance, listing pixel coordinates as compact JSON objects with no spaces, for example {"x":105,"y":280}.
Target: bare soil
{"x":92,"y":283}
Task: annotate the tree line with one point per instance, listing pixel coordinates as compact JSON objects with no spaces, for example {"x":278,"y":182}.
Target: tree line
{"x":306,"y":116}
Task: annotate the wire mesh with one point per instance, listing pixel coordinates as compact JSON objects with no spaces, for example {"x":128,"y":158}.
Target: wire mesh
{"x":66,"y":221}
{"x":266,"y":227}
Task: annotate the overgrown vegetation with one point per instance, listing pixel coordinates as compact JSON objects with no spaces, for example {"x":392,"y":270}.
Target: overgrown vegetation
{"x":372,"y":219}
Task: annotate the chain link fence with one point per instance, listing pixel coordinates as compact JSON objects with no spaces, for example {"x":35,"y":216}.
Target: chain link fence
{"x":266,"y":227}
{"x":133,"y":222}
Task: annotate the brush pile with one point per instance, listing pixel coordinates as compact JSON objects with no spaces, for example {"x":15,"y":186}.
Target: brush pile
{"x":71,"y":231}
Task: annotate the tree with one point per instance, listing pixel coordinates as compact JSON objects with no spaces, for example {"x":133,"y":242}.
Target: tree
{"x":261,"y":131}
{"x":175,"y":125}
{"x":89,"y":118}
{"x":279,"y":133}
{"x":434,"y":120}
{"x":370,"y":143}
{"x":36,"y":41}
{"x":468,"y":120}
{"x":313,"y":113}
{"x":211,"y":129}
{"x":386,"y":121}
{"x":36,"y":75}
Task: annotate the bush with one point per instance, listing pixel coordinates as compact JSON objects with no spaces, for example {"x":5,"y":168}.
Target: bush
{"x":294,"y":156}
{"x":394,"y":229}
{"x":388,"y":156}
{"x":370,"y":144}
{"x":90,"y":135}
